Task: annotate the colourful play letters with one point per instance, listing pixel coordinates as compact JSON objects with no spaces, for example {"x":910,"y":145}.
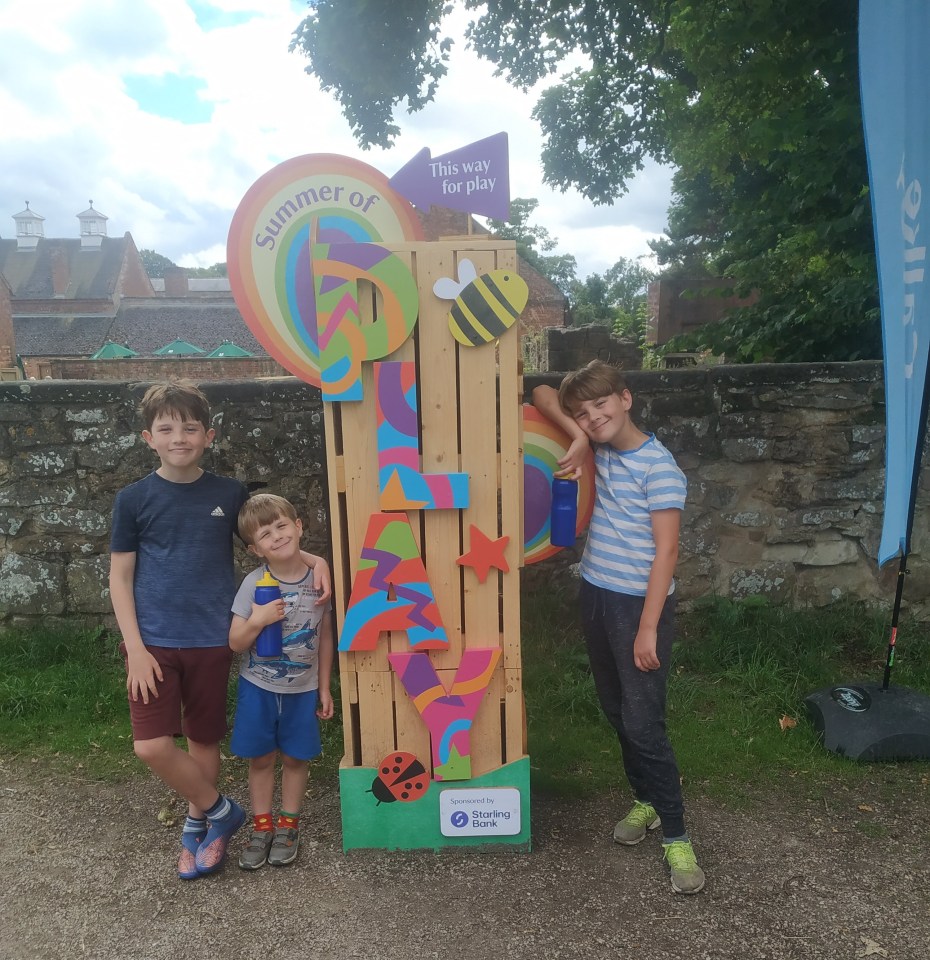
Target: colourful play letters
{"x":448,"y":714}
{"x":402,"y":485}
{"x":391,"y":563}
{"x":343,"y":341}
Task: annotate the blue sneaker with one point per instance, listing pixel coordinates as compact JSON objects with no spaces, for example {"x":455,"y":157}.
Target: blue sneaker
{"x":212,"y":852}
{"x":191,"y":839}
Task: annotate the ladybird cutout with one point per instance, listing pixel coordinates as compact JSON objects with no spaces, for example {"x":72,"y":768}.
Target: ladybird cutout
{"x":401,"y":777}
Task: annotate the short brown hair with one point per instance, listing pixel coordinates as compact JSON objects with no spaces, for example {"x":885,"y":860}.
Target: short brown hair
{"x":176,"y":398}
{"x":260,"y":510}
{"x":596,"y":380}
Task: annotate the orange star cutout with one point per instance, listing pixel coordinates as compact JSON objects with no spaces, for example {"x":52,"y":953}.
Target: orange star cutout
{"x":484,"y":554}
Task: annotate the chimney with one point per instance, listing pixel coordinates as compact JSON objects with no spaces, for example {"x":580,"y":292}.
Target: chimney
{"x":7,"y":336}
{"x":29,"y":229}
{"x":176,"y":282}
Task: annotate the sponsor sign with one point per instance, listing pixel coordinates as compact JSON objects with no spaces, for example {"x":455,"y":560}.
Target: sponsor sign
{"x":480,"y":813}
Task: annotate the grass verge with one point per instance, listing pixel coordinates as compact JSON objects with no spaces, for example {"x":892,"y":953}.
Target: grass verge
{"x":736,"y":715}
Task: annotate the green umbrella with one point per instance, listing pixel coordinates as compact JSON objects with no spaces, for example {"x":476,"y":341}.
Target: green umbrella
{"x":111,"y":351}
{"x":228,"y":349}
{"x":177,"y":348}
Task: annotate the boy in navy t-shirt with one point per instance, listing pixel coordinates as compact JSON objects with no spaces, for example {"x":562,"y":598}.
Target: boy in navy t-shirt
{"x":172,"y":582}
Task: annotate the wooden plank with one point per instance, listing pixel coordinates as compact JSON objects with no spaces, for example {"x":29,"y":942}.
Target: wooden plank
{"x":511,"y":478}
{"x":348,"y":685}
{"x":515,"y":745}
{"x":478,"y":424}
{"x":376,"y":705}
{"x":439,"y":403}
{"x":486,"y":737}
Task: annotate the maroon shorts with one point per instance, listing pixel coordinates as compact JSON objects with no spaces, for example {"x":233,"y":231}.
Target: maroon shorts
{"x":191,"y":699}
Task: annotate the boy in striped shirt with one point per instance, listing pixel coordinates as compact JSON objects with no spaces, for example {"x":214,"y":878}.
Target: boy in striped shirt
{"x":628,"y":594}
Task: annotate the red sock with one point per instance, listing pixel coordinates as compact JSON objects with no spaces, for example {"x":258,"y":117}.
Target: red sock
{"x":288,"y":820}
{"x":262,"y":821}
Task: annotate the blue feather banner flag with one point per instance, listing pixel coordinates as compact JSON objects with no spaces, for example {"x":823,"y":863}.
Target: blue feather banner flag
{"x":894,"y":56}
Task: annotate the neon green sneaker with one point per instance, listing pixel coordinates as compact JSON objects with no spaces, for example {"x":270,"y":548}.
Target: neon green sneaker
{"x":632,"y":828}
{"x":687,"y":876}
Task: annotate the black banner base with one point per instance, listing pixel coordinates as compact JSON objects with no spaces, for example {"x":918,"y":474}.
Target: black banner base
{"x":864,"y":722}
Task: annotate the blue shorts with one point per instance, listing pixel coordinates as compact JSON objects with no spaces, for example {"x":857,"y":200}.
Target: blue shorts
{"x":267,"y":721}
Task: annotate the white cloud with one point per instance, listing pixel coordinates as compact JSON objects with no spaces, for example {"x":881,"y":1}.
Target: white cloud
{"x":72,"y":131}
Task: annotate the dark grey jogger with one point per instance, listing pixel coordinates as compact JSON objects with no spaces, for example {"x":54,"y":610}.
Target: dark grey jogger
{"x":634,"y":700}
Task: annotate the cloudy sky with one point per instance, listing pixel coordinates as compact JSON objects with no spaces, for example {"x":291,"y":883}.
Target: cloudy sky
{"x":164,"y":114}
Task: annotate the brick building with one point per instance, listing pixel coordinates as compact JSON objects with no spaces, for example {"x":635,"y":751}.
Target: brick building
{"x":61,"y":300}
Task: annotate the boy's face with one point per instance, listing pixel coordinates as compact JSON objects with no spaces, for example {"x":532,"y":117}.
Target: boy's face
{"x":278,"y":540}
{"x":606,"y":419}
{"x":179,"y":443}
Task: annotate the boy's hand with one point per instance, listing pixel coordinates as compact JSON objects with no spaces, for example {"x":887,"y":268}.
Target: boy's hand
{"x":142,"y":672}
{"x":325,"y":708}
{"x":570,"y":466}
{"x":644,"y":650}
{"x":264,"y":614}
{"x":322,"y":580}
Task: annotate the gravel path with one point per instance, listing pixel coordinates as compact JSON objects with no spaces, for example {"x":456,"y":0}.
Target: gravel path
{"x":90,"y":874}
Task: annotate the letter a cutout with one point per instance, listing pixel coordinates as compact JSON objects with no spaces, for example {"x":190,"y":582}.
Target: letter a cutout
{"x":448,"y":714}
{"x":390,"y":560}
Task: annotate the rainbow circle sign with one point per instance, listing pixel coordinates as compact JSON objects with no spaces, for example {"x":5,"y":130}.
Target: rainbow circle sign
{"x":289,"y":224}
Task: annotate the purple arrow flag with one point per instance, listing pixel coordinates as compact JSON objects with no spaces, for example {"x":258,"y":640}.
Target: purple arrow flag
{"x":475,"y":178}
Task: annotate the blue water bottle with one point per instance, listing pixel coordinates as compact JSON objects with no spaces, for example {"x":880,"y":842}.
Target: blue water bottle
{"x":270,"y":640}
{"x":564,"y":516}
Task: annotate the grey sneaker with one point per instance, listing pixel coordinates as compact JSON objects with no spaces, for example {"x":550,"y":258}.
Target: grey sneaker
{"x":687,"y":876}
{"x":284,"y":848}
{"x":256,"y":853}
{"x":632,"y":828}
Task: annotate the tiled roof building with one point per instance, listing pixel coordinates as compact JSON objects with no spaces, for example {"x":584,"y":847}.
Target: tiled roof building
{"x":65,"y":298}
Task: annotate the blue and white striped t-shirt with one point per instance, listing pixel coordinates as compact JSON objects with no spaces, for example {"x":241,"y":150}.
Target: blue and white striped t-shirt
{"x":628,"y":485}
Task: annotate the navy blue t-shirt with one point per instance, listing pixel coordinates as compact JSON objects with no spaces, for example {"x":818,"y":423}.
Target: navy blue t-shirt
{"x":182,"y":536}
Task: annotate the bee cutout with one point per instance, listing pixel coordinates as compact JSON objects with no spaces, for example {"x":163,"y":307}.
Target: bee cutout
{"x":485,"y":306}
{"x":400,"y":777}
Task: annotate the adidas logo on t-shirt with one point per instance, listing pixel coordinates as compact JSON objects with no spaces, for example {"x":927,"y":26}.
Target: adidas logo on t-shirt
{"x":218,"y":512}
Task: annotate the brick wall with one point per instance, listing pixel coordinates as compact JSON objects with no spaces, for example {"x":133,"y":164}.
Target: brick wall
{"x":7,"y":337}
{"x":680,"y":306}
{"x":153,"y":368}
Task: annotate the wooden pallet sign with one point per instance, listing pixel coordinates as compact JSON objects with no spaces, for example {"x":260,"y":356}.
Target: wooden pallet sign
{"x":414,"y":346}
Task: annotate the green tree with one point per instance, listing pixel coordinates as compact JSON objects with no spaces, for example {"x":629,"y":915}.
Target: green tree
{"x":372,"y":54}
{"x":155,"y":264}
{"x":755,"y":102}
{"x":616,"y":298}
{"x":590,"y":302}
{"x":535,"y":244}
{"x":217,"y":270}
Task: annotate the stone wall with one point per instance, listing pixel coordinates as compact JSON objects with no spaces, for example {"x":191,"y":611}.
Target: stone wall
{"x":785,"y":466}
{"x":67,"y":446}
{"x":572,"y":347}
